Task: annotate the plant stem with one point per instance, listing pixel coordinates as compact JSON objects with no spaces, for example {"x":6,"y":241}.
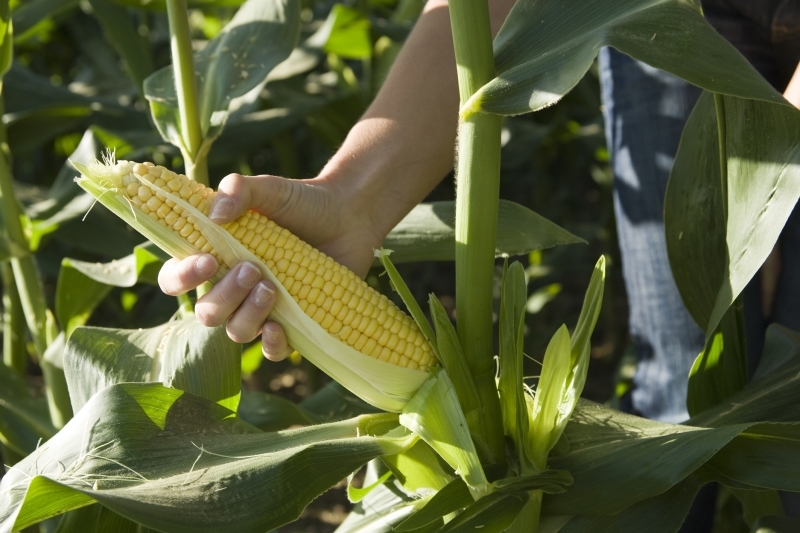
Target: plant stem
{"x":478,"y":186}
{"x":14,"y":350}
{"x":186,"y":89}
{"x":719,"y":106}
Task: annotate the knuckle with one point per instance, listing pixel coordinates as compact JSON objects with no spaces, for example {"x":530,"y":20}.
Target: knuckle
{"x":209,"y":315}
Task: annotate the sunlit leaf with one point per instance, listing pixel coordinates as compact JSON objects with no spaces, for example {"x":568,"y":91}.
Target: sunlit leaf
{"x":182,"y":463}
{"x":348,"y":33}
{"x":183,"y":354}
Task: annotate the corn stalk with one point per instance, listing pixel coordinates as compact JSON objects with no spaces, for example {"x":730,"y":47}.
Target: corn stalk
{"x":478,"y":186}
{"x":186,"y":90}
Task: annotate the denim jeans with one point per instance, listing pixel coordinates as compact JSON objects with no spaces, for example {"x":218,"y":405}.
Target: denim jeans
{"x":645,"y":110}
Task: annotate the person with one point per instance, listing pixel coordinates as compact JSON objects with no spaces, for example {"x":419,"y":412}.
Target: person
{"x":403,"y":146}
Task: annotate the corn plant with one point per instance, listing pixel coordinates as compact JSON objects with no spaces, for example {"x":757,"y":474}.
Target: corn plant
{"x":454,"y":442}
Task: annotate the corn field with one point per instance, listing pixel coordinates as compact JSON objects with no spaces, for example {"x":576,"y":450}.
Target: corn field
{"x":443,"y":393}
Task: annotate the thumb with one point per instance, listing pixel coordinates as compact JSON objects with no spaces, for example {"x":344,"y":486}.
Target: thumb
{"x":236,"y":194}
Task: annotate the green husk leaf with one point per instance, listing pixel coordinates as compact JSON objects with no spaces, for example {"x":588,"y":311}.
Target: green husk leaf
{"x":435,"y":415}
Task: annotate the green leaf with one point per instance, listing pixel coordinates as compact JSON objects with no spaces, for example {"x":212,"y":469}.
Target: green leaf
{"x":381,"y":510}
{"x":542,"y":51}
{"x":83,"y":285}
{"x":714,"y":256}
{"x":781,"y":348}
{"x":419,"y":469}
{"x":184,"y":464}
{"x":773,"y":395}
{"x":451,"y":355}
{"x":77,"y":295}
{"x":97,"y":519}
{"x":408,"y":298}
{"x":663,"y":513}
{"x":356,"y":494}
{"x":123,"y":36}
{"x":348,"y":33}
{"x":24,"y":420}
{"x":764,"y":456}
{"x":6,"y":39}
{"x":757,"y":503}
{"x":435,"y":415}
{"x":513,"y":405}
{"x":454,"y":496}
{"x":38,"y":111}
{"x":183,"y":354}
{"x":260,"y":36}
{"x":721,"y":368}
{"x":427,"y":233}
{"x":618,"y":460}
{"x":492,"y":514}
{"x":29,"y":14}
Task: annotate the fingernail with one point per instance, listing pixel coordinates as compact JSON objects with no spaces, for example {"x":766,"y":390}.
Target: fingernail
{"x":262,"y":294}
{"x":221,"y":209}
{"x":205,"y":265}
{"x":272,"y":337}
{"x":248,"y":275}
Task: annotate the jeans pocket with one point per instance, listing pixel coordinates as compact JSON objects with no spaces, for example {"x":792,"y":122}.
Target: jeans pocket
{"x":786,"y":21}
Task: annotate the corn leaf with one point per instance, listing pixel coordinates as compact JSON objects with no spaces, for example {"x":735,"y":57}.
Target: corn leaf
{"x":183,"y":354}
{"x":381,"y":510}
{"x":763,"y":185}
{"x":259,"y":37}
{"x":82,"y":285}
{"x":184,"y":464}
{"x":451,"y":355}
{"x":24,"y":420}
{"x":550,"y":394}
{"x":427,"y":233}
{"x":348,"y":33}
{"x":542,"y":51}
{"x":656,"y":456}
{"x":419,"y":470}
{"x":765,"y":456}
{"x":661,"y":514}
{"x":454,"y":496}
{"x":405,"y":294}
{"x":120,"y":31}
{"x":31,"y":13}
{"x":435,"y":415}
{"x":492,"y":514}
{"x":97,"y":519}
{"x":773,"y":395}
{"x":721,"y":368}
{"x":514,"y":292}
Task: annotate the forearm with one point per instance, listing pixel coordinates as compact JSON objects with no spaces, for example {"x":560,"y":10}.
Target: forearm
{"x":792,"y":92}
{"x":404,"y":144}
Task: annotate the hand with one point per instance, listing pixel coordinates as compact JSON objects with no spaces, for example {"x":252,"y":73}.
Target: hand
{"x":317,"y":210}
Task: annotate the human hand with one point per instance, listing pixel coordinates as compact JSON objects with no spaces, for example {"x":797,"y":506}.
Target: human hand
{"x":316,"y":210}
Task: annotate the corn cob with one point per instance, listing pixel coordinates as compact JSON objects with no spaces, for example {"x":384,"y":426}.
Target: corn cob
{"x":333,"y":296}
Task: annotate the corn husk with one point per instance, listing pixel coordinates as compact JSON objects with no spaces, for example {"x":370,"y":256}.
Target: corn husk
{"x":386,"y":386}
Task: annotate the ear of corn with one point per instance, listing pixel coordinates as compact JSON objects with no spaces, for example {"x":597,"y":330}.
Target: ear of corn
{"x":331,"y":316}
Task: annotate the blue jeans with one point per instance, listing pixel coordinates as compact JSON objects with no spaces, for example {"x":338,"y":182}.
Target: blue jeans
{"x":645,"y":110}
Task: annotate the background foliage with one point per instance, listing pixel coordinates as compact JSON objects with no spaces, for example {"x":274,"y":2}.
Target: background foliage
{"x":76,"y":85}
